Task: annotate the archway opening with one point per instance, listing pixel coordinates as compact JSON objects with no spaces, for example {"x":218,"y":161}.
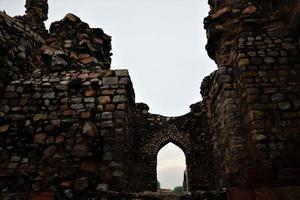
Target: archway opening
{"x":171,"y":169}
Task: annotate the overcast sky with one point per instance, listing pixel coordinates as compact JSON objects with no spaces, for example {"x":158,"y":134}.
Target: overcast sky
{"x":161,"y":42}
{"x":170,"y":166}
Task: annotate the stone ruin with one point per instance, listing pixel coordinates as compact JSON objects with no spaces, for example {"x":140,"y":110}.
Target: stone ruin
{"x":70,"y":127}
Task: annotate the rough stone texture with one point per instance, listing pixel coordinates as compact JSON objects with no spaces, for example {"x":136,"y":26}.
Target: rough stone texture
{"x":19,"y":50}
{"x":25,"y":44}
{"x":252,"y":98}
{"x":52,"y":141}
{"x":154,"y":131}
{"x":71,"y":129}
{"x":73,"y":44}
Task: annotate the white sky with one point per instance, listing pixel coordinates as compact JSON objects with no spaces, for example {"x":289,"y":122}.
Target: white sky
{"x":161,"y":42}
{"x":170,"y":166}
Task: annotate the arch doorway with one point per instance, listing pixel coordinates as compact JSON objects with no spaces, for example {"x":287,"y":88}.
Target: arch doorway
{"x":171,"y":168}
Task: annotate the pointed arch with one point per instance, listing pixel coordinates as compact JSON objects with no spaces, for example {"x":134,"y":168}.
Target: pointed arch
{"x":171,"y":166}
{"x":151,"y":146}
{"x":163,"y":137}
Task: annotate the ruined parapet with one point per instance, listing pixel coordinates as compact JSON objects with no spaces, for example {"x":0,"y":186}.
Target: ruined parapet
{"x":19,"y":50}
{"x":25,"y":44}
{"x":253,"y":101}
{"x":21,"y":38}
{"x":74,"y":45}
{"x":36,"y":15}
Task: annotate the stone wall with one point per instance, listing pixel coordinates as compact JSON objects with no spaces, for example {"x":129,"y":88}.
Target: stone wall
{"x":155,"y":131}
{"x":253,"y":97}
{"x":70,"y":127}
{"x":66,"y":131}
{"x":73,"y":44}
{"x":26,"y":45}
{"x":19,"y":50}
{"x":65,"y":119}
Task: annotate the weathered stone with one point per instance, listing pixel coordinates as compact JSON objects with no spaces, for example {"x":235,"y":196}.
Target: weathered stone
{"x":110,"y":80}
{"x":43,"y":196}
{"x":244,"y":62}
{"x":269,"y":60}
{"x":81,"y":183}
{"x":284,"y":105}
{"x":102,"y":187}
{"x":40,"y":138}
{"x":90,"y":93}
{"x":221,"y":12}
{"x":87,"y":60}
{"x":88,"y":166}
{"x":77,"y":106}
{"x":106,"y":124}
{"x":89,"y":100}
{"x":124,"y":81}
{"x":90,"y":129}
{"x":249,"y":10}
{"x":85,"y":115}
{"x":278,"y":97}
{"x":249,"y":114}
{"x":4,"y":128}
{"x":106,"y":116}
{"x":49,"y":152}
{"x":39,"y":117}
{"x":122,"y":72}
{"x":49,"y":95}
{"x":59,"y":139}
{"x":119,"y":99}
{"x":104,"y":99}
{"x":69,"y":194}
{"x":81,"y":150}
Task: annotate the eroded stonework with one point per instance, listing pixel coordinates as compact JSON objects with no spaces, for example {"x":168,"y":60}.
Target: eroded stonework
{"x":70,"y":127}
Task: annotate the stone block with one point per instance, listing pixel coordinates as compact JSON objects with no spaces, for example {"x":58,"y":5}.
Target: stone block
{"x":90,"y":129}
{"x":120,"y":99}
{"x":49,"y":95}
{"x":104,"y":99}
{"x":4,"y":128}
{"x":110,"y":80}
{"x":89,"y":166}
{"x":121,"y":72}
{"x":243,"y":62}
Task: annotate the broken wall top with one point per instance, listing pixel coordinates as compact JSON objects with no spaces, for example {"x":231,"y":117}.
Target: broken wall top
{"x":26,"y":45}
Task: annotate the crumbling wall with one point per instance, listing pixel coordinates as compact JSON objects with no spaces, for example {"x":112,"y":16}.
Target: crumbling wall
{"x":21,"y":38}
{"x":253,"y":97}
{"x":154,"y":131}
{"x":73,"y":44}
{"x":65,"y":120}
{"x":19,"y":50}
{"x":66,"y":132}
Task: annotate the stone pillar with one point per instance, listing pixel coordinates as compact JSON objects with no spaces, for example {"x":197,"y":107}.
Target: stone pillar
{"x":253,"y":101}
{"x":36,"y":15}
